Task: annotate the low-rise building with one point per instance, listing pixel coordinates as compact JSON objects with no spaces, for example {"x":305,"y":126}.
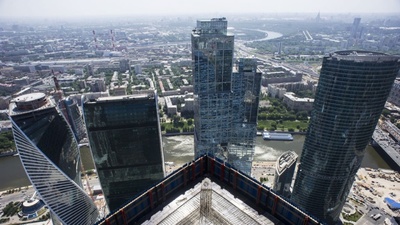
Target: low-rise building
{"x":296,"y":103}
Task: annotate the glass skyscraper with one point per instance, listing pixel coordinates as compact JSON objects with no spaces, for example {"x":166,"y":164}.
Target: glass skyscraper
{"x":50,"y":156}
{"x":125,"y":139}
{"x":351,"y":93}
{"x":225,"y":101}
{"x":70,"y":109}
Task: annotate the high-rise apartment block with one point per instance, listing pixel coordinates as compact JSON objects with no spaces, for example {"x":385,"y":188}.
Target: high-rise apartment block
{"x":50,"y":156}
{"x":352,"y":90}
{"x":225,"y":100}
{"x":125,"y":139}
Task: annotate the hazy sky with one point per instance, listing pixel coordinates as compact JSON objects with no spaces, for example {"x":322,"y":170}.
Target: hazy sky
{"x":79,"y":8}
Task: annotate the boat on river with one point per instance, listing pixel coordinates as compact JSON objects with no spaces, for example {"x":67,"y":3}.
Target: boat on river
{"x":270,"y":136}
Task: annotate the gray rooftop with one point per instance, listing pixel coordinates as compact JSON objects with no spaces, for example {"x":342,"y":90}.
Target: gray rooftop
{"x":208,"y":203}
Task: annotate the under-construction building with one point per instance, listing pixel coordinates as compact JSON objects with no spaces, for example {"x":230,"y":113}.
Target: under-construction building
{"x":226,"y":96}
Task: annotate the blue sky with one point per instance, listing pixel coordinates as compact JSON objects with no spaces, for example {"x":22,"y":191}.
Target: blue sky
{"x":79,"y":8}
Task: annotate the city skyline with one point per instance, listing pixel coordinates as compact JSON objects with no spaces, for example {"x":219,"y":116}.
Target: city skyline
{"x":117,"y":55}
{"x":72,"y":9}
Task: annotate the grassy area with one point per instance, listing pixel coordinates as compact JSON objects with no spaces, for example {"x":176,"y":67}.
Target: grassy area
{"x":6,"y":141}
{"x":282,"y":125}
{"x":277,"y":117}
{"x":178,"y":127}
{"x":353,"y":217}
{"x":11,"y":208}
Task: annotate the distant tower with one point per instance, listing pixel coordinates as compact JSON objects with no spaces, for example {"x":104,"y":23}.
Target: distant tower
{"x":280,"y":48}
{"x":125,"y":139}
{"x":70,"y":109}
{"x":318,"y":18}
{"x":50,"y":156}
{"x":223,"y":99}
{"x":351,"y":93}
{"x":124,"y":65}
{"x":89,"y":70}
{"x":355,"y":28}
{"x":284,"y":171}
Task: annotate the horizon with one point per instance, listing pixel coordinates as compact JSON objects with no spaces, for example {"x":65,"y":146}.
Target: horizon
{"x":75,"y":9}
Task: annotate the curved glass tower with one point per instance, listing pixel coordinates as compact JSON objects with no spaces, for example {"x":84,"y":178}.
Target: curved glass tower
{"x":352,"y":90}
{"x":50,"y":156}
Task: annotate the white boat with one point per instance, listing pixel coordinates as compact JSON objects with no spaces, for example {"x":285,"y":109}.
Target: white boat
{"x":277,"y":136}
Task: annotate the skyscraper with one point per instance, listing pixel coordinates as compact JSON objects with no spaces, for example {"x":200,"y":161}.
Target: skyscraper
{"x":224,"y":101}
{"x":284,"y":171}
{"x":70,"y":109}
{"x":125,"y":139}
{"x":352,"y":90}
{"x":355,"y":28}
{"x":50,"y":156}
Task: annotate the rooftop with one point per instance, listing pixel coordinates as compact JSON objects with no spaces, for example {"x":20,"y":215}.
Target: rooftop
{"x":285,"y":161}
{"x":29,"y":102}
{"x":209,"y":191}
{"x":358,"y":55}
{"x":124,"y":98}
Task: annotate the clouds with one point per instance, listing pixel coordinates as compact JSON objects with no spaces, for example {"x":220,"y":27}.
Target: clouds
{"x":89,"y":8}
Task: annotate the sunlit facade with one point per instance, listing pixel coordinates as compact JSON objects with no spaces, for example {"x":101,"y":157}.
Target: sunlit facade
{"x":70,"y":109}
{"x":125,"y":140}
{"x":352,"y":90}
{"x":50,"y":156}
{"x":225,"y":100}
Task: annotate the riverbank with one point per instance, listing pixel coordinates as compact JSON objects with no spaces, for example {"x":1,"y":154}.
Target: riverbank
{"x":180,"y":149}
{"x":10,"y":153}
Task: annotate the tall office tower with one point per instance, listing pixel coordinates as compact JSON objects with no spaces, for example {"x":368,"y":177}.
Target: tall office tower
{"x":70,"y":109}
{"x":125,"y":139}
{"x":216,"y":95}
{"x":355,"y":28}
{"x":246,"y":85}
{"x":284,"y":171}
{"x":50,"y":156}
{"x":352,"y":90}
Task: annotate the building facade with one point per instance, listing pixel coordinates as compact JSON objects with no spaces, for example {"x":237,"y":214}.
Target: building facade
{"x":284,"y":171}
{"x":125,"y":139}
{"x":71,"y":111}
{"x":394,"y":96}
{"x":50,"y":156}
{"x":222,"y":97}
{"x":352,"y":90}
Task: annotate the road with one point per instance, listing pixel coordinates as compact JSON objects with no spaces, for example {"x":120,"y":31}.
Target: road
{"x":250,"y":52}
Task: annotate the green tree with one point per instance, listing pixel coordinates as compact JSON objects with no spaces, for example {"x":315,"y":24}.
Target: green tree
{"x":190,"y":122}
{"x":385,"y":112}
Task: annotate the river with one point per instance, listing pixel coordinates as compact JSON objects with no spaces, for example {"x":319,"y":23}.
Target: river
{"x":179,"y":149}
